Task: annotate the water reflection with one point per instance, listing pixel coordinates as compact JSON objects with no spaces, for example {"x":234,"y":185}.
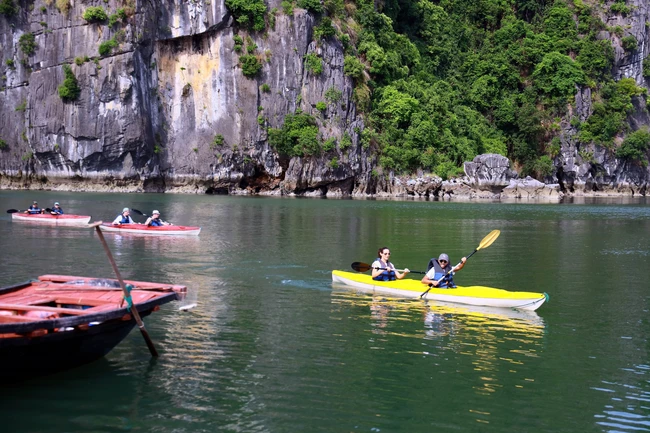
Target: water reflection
{"x":494,"y":341}
{"x":629,"y":401}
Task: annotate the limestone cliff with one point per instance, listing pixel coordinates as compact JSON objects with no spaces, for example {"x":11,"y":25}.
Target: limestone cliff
{"x":166,"y":106}
{"x":168,"y":109}
{"x":592,"y":169}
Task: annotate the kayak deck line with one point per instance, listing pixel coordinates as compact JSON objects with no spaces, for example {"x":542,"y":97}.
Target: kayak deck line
{"x":151,"y":230}
{"x":470,"y":295}
{"x":56,"y":220}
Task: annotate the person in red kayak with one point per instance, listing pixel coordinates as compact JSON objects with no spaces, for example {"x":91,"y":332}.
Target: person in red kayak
{"x":34,"y":209}
{"x":383,"y":269}
{"x":57,"y":210}
{"x":155,"y":221}
{"x":124,"y":218}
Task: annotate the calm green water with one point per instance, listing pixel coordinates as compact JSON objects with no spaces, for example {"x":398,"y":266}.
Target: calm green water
{"x":272,"y":346}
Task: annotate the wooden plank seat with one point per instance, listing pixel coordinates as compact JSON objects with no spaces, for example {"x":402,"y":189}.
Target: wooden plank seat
{"x":16,"y":318}
{"x":141,"y":285}
{"x":68,"y":311}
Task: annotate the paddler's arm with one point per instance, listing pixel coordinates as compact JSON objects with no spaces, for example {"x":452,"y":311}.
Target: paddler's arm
{"x":460,"y":266}
{"x":376,"y":269}
{"x":400,"y":275}
{"x":428,"y":281}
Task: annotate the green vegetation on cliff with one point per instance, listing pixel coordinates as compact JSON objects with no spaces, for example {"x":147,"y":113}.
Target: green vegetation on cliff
{"x":69,"y":90}
{"x":95,"y":14}
{"x":298,"y":136}
{"x":248,"y":13}
{"x":8,"y":8}
{"x":441,"y":82}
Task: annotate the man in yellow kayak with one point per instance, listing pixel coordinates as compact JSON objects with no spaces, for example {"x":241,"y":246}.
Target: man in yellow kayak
{"x":440,"y":273}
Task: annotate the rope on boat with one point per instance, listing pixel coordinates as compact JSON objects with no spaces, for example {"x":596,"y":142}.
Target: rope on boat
{"x":127,"y":298}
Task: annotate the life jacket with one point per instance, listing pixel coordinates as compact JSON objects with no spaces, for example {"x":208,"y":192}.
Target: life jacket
{"x":387,"y":275}
{"x":155,"y":223}
{"x":125,"y":220}
{"x":58,"y":211}
{"x":34,"y":210}
{"x":441,"y":272}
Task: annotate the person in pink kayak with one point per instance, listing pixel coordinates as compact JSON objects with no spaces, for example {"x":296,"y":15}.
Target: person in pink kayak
{"x":155,"y":221}
{"x":56,"y":210}
{"x":124,"y":218}
{"x":34,"y":209}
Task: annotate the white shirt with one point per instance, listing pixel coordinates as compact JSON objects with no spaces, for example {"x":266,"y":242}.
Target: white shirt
{"x":119,"y":218}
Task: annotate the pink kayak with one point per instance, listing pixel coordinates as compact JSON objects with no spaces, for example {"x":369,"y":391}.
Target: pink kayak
{"x":55,"y":220}
{"x":146,"y":230}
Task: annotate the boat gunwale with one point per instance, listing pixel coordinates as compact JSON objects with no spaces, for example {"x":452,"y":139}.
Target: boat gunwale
{"x":106,"y":315}
{"x":45,"y":216}
{"x":146,"y":230}
{"x":67,"y":220}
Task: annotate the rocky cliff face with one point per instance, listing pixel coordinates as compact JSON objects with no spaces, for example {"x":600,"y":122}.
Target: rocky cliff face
{"x":168,"y":108}
{"x":592,"y":169}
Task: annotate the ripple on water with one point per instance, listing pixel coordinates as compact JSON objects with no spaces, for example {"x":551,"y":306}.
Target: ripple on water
{"x":629,"y":401}
{"x":626,"y":252}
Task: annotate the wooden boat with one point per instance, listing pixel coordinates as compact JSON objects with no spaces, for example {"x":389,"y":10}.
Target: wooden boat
{"x":151,"y":230}
{"x":57,"y":220}
{"x":470,"y":295}
{"x":59,"y":322}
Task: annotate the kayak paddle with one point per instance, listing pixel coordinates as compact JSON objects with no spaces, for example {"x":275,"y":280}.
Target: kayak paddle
{"x":125,"y":288}
{"x":18,"y":210}
{"x":365,"y":267}
{"x":486,"y":242}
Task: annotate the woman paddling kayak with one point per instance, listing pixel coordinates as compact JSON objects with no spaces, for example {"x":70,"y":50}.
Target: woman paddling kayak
{"x":383,"y":269}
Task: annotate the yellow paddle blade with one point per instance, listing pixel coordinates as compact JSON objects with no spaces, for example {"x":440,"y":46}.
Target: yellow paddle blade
{"x":489,"y":239}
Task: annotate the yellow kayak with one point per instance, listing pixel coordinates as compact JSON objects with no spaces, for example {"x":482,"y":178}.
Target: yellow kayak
{"x":470,"y":295}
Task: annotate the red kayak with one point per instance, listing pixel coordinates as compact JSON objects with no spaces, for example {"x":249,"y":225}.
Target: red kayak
{"x":151,"y":230}
{"x":55,"y":220}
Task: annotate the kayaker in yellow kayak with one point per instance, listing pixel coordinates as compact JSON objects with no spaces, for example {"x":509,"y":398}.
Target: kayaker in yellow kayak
{"x":383,"y":269}
{"x":439,"y":268}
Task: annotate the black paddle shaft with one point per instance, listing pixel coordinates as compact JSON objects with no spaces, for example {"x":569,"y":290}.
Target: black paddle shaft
{"x":365,"y":267}
{"x":410,"y":271}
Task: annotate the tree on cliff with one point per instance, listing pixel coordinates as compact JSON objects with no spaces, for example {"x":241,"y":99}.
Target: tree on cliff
{"x":8,"y":8}
{"x":69,"y":90}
